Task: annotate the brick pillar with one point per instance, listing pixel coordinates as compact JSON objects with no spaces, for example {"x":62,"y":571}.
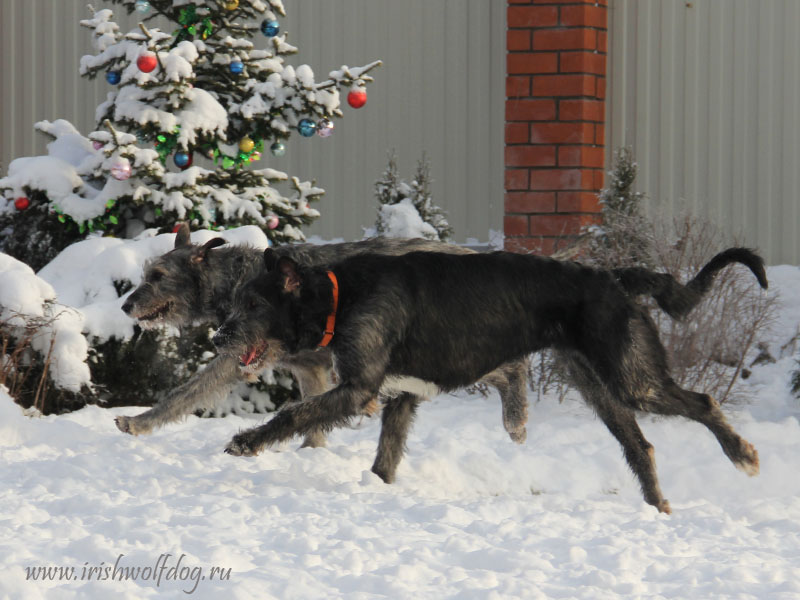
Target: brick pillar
{"x":555,"y":124}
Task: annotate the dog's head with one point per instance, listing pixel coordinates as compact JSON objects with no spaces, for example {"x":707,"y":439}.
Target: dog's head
{"x":274,"y":314}
{"x":172,"y":284}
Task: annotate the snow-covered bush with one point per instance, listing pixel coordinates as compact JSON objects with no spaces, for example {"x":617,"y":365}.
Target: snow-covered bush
{"x":407,"y":210}
{"x":708,"y":348}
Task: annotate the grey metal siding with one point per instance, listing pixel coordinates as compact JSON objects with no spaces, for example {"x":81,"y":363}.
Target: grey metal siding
{"x":441,"y":90}
{"x":706,"y":92}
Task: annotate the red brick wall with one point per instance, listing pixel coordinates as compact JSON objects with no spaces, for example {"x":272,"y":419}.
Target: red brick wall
{"x":555,"y":128}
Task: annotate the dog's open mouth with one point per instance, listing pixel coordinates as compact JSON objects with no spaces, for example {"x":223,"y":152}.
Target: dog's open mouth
{"x":252,"y":357}
{"x":158,"y":313}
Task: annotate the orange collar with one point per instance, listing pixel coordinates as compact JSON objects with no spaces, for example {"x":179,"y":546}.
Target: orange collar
{"x":332,"y":316}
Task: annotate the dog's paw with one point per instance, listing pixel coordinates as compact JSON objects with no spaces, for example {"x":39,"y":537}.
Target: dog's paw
{"x":664,"y":507}
{"x":519,"y":436}
{"x":239,"y":446}
{"x":130,"y":425}
{"x":748,"y":459}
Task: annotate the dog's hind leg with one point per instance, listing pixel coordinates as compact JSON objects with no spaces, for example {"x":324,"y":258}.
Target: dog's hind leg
{"x":332,"y":409}
{"x":202,"y":390}
{"x":639,"y":453}
{"x":704,"y":409}
{"x":509,"y":380}
{"x":621,"y":422}
{"x":398,"y":414}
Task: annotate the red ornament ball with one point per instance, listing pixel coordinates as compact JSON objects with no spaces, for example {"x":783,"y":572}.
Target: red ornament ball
{"x":22,"y":203}
{"x":147,"y":62}
{"x":357,"y":98}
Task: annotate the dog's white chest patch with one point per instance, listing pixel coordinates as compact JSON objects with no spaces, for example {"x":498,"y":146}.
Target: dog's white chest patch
{"x":419,"y":387}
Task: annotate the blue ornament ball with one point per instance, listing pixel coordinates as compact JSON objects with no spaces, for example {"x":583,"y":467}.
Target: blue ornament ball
{"x":278,"y":149}
{"x":142,"y":6}
{"x":113,"y":77}
{"x":270,"y":28}
{"x":237,"y":67}
{"x":306,"y":127}
{"x":183,"y":159}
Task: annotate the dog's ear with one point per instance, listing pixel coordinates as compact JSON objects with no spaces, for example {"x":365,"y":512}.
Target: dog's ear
{"x":270,"y":259}
{"x":183,"y":239}
{"x":291,"y":278}
{"x":202,"y":254}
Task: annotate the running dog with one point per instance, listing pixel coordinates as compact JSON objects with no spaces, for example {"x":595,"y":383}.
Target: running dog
{"x":426,"y":322}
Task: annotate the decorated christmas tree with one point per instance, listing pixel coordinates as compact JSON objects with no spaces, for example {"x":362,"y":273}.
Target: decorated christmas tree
{"x":214,"y":85}
{"x":407,"y":209}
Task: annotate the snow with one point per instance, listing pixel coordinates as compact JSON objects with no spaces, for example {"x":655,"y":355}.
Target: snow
{"x":26,"y":298}
{"x":472,"y":515}
{"x":402,"y":220}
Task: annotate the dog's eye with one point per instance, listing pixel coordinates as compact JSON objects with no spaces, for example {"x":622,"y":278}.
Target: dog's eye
{"x":156,"y":276}
{"x":252,"y":304}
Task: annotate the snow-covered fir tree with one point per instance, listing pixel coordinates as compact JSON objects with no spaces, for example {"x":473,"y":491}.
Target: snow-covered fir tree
{"x":214,"y":84}
{"x":407,"y":209}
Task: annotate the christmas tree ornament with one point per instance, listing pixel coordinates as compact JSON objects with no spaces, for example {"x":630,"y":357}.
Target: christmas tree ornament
{"x":272,"y":221}
{"x":97,"y":145}
{"x":306,"y":127}
{"x":183,"y":160}
{"x":325,"y":127}
{"x":113,"y":77}
{"x":142,"y":6}
{"x":147,"y":62}
{"x":177,"y":227}
{"x":357,"y":97}
{"x":232,"y":5}
{"x":22,"y":203}
{"x":236,"y":67}
{"x":246,"y":145}
{"x":278,"y":149}
{"x":270,"y":28}
{"x":121,"y":169}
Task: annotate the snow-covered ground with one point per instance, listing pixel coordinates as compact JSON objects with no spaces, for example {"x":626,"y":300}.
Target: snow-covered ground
{"x":472,"y":515}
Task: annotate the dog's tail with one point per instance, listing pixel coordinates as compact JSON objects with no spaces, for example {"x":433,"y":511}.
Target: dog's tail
{"x":677,"y":300}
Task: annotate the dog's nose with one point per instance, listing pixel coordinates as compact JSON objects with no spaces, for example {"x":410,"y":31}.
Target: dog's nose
{"x":220,"y":338}
{"x":127,"y":307}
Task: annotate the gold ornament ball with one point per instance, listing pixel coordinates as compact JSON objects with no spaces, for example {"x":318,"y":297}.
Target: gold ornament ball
{"x":232,"y":4}
{"x":246,"y":144}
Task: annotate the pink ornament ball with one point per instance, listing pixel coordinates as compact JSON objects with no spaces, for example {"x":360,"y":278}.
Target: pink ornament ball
{"x":272,"y":222}
{"x":97,"y":145}
{"x":147,"y":62}
{"x":357,"y":98}
{"x":121,"y":169}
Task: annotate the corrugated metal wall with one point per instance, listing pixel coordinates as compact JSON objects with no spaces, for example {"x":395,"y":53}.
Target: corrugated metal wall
{"x":707,"y":93}
{"x":441,"y":90}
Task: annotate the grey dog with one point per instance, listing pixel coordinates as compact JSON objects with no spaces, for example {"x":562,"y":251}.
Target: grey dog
{"x":196,"y":283}
{"x":434,"y":321}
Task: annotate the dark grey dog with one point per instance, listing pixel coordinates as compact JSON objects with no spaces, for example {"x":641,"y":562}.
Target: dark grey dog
{"x":194,"y":283}
{"x":426,"y":322}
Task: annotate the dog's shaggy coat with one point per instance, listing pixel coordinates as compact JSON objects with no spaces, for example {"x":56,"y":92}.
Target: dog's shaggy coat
{"x":449,"y":320}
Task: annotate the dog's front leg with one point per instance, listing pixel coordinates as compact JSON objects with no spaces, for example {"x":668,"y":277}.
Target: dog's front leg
{"x":320,"y":413}
{"x":202,"y":390}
